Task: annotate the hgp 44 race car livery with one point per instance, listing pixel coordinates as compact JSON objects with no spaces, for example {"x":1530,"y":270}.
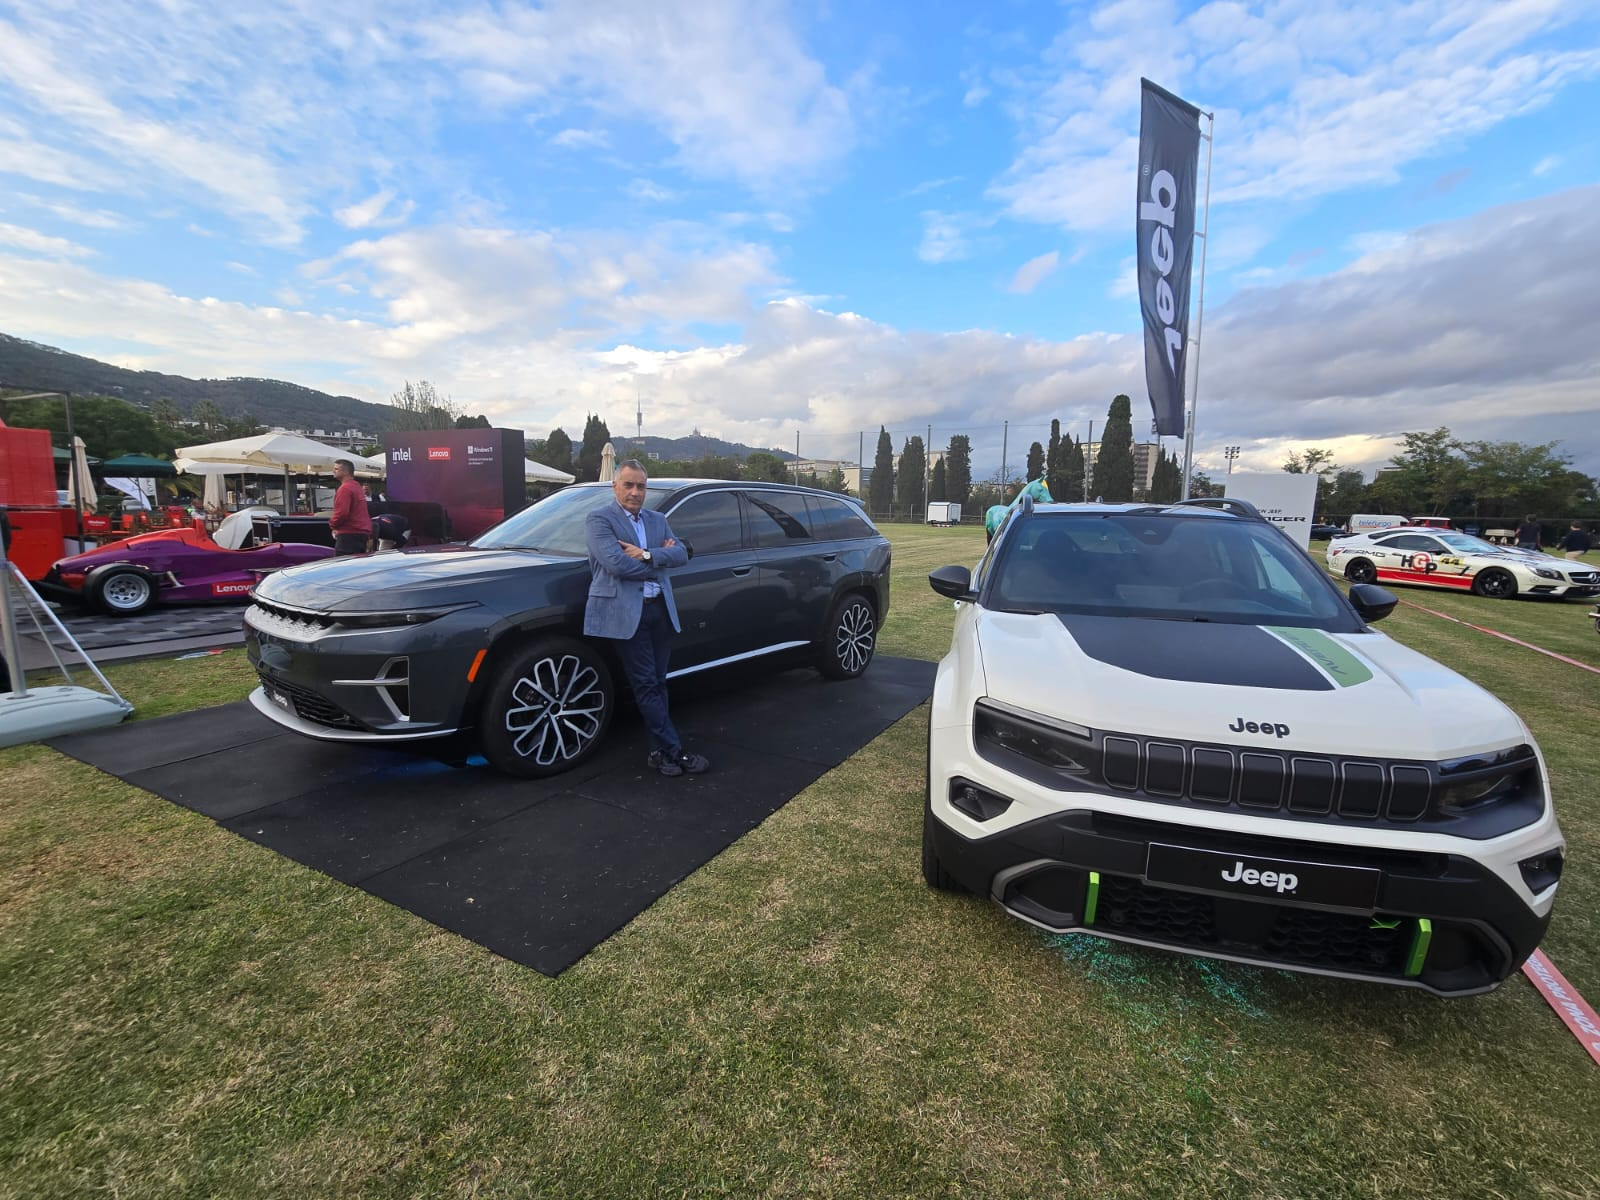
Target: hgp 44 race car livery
{"x":1442,"y":558}
{"x":1167,"y":725}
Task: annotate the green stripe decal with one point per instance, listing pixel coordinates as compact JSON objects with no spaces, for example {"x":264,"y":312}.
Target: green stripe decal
{"x":1344,"y":668}
{"x":1093,"y":900}
{"x":1419,"y":947}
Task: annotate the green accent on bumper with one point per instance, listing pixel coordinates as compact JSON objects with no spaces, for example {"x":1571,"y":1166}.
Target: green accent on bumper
{"x":1344,"y":668}
{"x":1385,"y":923}
{"x":1419,"y":947}
{"x":1092,"y":901}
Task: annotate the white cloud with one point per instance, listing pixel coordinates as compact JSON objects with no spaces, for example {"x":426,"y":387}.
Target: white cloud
{"x":944,"y":237}
{"x":1340,"y":95}
{"x":1034,"y":272}
{"x":373,"y":212}
{"x":729,"y":84}
{"x":34,"y":242}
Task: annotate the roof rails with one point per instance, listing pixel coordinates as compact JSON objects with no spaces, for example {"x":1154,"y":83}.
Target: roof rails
{"x":1231,"y":504}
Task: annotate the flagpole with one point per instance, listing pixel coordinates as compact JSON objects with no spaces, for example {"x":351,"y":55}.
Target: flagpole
{"x":1200,"y":313}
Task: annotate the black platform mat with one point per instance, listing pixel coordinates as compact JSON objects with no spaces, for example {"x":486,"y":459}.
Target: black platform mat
{"x":540,"y":872}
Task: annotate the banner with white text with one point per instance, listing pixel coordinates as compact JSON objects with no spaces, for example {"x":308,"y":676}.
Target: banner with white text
{"x":1169,"y":155}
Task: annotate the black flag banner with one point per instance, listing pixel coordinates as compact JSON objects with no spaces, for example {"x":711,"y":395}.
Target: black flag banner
{"x":1169,"y":154}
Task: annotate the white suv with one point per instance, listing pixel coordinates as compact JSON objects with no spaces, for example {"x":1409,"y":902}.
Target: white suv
{"x":1166,"y":725}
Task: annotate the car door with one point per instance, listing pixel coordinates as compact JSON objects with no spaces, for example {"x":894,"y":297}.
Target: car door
{"x":1410,"y":558}
{"x":796,"y":573}
{"x":717,"y":592}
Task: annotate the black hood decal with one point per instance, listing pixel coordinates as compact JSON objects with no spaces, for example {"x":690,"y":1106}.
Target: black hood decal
{"x":1196,"y":652}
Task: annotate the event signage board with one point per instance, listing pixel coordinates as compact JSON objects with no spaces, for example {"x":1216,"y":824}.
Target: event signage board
{"x":476,"y":475}
{"x":1288,"y":501}
{"x":1169,"y":155}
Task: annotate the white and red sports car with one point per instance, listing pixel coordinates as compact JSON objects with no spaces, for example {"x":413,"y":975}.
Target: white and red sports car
{"x":1446,"y":559}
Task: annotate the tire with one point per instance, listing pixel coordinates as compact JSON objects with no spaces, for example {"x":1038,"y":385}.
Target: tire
{"x":1361,"y":570}
{"x":933,"y":872}
{"x":850,"y":639}
{"x":548,"y":708}
{"x":122,"y":591}
{"x":1495,"y":584}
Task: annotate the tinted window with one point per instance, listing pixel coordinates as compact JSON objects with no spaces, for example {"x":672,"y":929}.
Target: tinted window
{"x":555,"y":524}
{"x":1410,"y":541}
{"x":1170,"y":568}
{"x":835,"y":520}
{"x":779,"y":518}
{"x":708,"y":522}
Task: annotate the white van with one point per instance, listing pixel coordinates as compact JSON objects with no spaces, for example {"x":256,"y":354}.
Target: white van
{"x":1372,"y":522}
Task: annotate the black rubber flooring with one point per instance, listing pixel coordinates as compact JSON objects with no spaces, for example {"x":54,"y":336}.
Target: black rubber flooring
{"x":540,"y":872}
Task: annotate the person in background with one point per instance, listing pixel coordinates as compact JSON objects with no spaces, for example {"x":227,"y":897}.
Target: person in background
{"x":351,"y":525}
{"x":1528,"y":533}
{"x":1577,"y":542}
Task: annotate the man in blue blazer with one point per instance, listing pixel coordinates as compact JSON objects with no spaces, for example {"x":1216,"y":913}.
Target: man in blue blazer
{"x":630,"y":599}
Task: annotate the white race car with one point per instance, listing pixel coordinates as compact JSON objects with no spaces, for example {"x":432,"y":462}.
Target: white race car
{"x":1167,"y":725}
{"x":1442,"y":558}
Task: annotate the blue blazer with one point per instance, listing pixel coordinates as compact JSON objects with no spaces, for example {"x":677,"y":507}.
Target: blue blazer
{"x":616,"y":589}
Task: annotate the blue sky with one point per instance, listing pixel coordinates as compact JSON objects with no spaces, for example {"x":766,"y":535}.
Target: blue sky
{"x":764,"y":219}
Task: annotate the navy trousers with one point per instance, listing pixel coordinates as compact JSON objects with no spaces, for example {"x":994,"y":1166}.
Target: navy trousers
{"x":644,"y":658}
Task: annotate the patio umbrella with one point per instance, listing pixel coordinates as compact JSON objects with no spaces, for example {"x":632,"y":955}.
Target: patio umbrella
{"x":80,"y":487}
{"x":285,"y":451}
{"x":538,"y":472}
{"x":608,"y":463}
{"x":138,"y":466}
{"x":215,"y":500}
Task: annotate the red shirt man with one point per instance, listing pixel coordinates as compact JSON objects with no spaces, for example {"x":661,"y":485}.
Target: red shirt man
{"x":351,"y":524}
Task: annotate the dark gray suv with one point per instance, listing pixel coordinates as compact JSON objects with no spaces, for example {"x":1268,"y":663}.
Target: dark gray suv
{"x":485,"y":639}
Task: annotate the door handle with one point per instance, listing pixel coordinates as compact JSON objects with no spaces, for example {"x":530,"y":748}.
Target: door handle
{"x":741,"y":572}
{"x":829,"y":557}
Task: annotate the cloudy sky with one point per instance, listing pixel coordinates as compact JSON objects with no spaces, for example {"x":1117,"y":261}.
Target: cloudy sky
{"x":762,"y":219}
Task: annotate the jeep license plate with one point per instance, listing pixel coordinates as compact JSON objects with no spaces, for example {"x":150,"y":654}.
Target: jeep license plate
{"x":1273,"y":879}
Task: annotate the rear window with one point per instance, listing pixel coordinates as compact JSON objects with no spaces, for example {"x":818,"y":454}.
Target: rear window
{"x":837,"y":520}
{"x":1164,"y":567}
{"x":555,"y":524}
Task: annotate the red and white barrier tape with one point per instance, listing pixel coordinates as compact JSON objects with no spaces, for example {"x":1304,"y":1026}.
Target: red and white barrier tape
{"x":1504,"y":636}
{"x":1564,"y":998}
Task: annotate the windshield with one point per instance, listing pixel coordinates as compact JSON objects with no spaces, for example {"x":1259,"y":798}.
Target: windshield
{"x":1468,"y":544}
{"x":1177,"y":568}
{"x":554,"y":525}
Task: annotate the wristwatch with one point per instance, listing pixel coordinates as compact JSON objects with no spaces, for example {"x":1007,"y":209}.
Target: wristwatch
{"x":647,"y":557}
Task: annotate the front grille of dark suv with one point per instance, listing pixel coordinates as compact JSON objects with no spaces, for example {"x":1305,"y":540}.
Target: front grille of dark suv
{"x":310,"y":706}
{"x":296,"y":624}
{"x":1269,"y":782}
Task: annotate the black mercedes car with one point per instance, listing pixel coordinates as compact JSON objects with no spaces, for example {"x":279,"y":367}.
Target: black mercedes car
{"x":484,"y":639}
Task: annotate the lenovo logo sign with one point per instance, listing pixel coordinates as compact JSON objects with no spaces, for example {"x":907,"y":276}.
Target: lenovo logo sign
{"x":438,"y":453}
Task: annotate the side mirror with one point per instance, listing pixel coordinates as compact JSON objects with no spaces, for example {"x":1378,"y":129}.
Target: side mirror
{"x":1372,"y":603}
{"x":954,"y":582}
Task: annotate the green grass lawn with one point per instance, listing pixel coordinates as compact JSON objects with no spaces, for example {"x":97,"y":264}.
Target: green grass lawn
{"x":183,"y":1013}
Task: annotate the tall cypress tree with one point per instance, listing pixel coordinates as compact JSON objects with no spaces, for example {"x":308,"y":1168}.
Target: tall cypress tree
{"x":1053,"y":461}
{"x":958,"y":475}
{"x":595,"y":437}
{"x":1035,"y":461}
{"x":1071,"y":471}
{"x":880,"y":489}
{"x":911,"y":479}
{"x":1167,"y":481}
{"x":1113,"y":466}
{"x":937,"y":485}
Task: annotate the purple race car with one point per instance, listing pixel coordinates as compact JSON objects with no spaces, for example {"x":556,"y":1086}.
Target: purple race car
{"x":173,"y":566}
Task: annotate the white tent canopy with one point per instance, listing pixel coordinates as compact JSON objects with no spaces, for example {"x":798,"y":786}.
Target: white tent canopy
{"x":283,"y":451}
{"x":533,"y":472}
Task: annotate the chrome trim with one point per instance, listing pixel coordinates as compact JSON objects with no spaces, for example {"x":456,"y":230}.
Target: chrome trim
{"x":323,"y":733}
{"x":733,"y":658}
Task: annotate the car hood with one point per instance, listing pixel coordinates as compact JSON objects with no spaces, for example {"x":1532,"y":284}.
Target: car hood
{"x":1304,"y":689}
{"x":417,"y":578}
